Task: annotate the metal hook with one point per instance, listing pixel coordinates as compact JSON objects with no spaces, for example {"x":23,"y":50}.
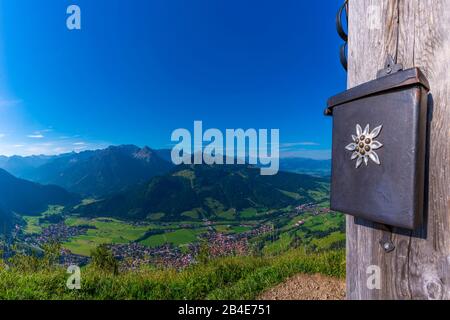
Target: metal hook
{"x":342,"y":33}
{"x":386,"y":241}
{"x":339,"y":27}
{"x":343,"y":56}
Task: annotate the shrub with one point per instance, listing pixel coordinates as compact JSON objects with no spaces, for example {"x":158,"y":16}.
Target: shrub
{"x":104,"y":260}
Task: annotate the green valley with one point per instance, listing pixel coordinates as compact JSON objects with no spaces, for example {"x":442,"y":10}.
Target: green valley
{"x":191,"y":220}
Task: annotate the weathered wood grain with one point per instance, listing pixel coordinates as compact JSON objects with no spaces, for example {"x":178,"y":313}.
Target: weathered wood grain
{"x":416,"y":33}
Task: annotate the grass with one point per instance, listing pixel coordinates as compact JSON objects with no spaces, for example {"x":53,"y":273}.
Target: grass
{"x":327,"y":242}
{"x":230,"y":214}
{"x":83,"y":246}
{"x":223,"y":228}
{"x":195,"y":213}
{"x":319,"y":232}
{"x":106,"y":231}
{"x":293,"y":195}
{"x":248,"y":213}
{"x":282,"y":244}
{"x":109,"y":230}
{"x":178,"y":237}
{"x":241,"y":277}
{"x":33,"y":225}
{"x":86,"y":202}
{"x":324,"y":222}
{"x":156,"y":216}
{"x":320,"y":195}
{"x":240,"y":229}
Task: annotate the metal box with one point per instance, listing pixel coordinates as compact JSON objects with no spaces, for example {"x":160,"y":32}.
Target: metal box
{"x":378,"y":153}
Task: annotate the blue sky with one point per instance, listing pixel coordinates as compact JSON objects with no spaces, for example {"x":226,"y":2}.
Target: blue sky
{"x":140,"y":69}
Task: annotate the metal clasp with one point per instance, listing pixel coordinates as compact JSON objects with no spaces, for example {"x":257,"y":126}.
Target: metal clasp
{"x":390,"y":67}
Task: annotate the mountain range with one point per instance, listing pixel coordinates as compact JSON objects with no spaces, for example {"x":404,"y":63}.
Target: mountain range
{"x":27,"y":198}
{"x":99,"y":173}
{"x":91,"y":173}
{"x":202,"y":191}
{"x":138,"y":183}
{"x":23,"y":166}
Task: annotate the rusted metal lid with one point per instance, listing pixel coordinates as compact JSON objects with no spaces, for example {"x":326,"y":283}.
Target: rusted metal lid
{"x":400,"y":79}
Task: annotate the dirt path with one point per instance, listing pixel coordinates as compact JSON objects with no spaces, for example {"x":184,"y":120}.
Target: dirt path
{"x":307,"y":287}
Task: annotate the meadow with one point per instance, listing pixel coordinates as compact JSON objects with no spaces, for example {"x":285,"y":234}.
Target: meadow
{"x":35,"y":223}
{"x":104,"y":231}
{"x":234,"y":277}
{"x":320,"y":231}
{"x":308,"y":241}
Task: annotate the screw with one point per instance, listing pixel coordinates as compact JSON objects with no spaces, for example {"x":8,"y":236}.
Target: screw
{"x":388,"y":246}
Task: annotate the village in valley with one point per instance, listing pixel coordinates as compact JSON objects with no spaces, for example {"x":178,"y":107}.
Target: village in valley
{"x":178,"y":244}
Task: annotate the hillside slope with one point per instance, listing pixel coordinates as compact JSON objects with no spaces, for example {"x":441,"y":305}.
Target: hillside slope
{"x":25,"y":197}
{"x":207,"y":191}
{"x":227,"y":278}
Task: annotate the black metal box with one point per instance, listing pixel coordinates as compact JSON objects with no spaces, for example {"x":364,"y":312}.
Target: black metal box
{"x":379,"y":138}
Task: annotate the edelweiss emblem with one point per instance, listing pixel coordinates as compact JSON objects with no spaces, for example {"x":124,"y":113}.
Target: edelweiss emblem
{"x":364,"y":145}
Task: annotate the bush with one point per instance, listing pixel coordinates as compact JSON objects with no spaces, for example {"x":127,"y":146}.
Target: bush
{"x":104,"y":260}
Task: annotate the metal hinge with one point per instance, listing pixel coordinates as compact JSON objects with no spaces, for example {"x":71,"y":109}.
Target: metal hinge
{"x":390,"y":67}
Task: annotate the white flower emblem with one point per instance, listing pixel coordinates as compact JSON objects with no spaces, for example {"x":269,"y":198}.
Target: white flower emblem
{"x":364,"y":145}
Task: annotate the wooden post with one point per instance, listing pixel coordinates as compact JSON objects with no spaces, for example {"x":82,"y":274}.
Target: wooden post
{"x":416,"y":33}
